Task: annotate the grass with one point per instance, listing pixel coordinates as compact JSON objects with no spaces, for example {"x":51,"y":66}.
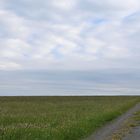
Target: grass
{"x":58,"y":118}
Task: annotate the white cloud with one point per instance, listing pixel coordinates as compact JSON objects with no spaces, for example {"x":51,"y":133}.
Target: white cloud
{"x":115,"y":52}
{"x":13,"y":25}
{"x":76,"y":34}
{"x":9,"y":66}
{"x":93,"y":46}
{"x":63,"y":4}
{"x":13,"y":48}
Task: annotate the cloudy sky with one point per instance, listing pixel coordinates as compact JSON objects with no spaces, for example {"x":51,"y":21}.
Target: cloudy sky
{"x":69,"y":34}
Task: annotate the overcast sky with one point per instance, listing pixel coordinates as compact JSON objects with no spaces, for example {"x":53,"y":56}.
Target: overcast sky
{"x":69,"y":34}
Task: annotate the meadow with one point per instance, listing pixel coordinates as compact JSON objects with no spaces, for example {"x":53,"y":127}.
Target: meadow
{"x":58,"y":118}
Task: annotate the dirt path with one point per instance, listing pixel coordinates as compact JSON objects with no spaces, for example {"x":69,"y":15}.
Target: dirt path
{"x":117,"y":129}
{"x":134,"y":135}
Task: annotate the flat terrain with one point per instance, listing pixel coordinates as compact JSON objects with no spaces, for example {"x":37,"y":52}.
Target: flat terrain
{"x":58,"y":118}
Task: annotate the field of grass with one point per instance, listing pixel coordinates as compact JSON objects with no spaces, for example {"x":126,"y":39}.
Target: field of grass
{"x":57,"y":118}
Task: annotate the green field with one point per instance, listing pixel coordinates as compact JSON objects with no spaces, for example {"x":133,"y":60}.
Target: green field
{"x":58,"y":118}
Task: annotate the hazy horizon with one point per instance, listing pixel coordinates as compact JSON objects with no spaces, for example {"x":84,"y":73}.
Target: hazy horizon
{"x":61,"y":83}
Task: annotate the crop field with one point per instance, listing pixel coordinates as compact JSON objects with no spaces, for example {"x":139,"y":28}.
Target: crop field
{"x":58,"y":118}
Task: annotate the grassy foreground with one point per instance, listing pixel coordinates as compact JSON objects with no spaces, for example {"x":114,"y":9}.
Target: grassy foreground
{"x":57,"y":118}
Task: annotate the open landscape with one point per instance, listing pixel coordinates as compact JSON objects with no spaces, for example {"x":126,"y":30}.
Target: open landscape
{"x":69,"y":70}
{"x":58,"y":118}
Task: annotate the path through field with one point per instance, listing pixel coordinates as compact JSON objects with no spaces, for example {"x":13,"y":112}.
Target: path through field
{"x":123,"y":128}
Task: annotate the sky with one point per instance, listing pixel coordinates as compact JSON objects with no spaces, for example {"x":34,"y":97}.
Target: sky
{"x":69,"y":35}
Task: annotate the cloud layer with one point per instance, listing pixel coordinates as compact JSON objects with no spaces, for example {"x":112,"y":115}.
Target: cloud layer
{"x":75,"y":34}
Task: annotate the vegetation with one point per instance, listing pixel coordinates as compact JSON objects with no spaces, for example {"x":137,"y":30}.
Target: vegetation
{"x":57,"y":118}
